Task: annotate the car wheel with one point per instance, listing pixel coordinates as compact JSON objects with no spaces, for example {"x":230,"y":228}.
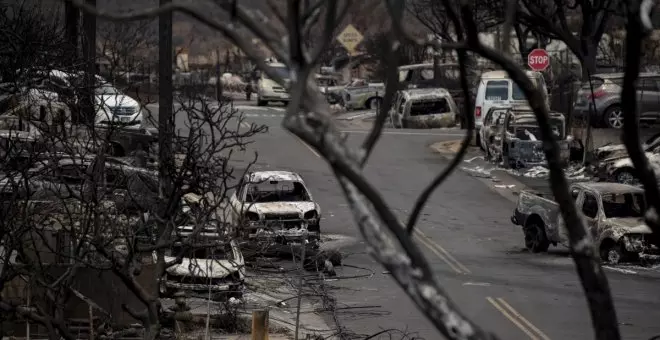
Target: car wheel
{"x":625,"y":176}
{"x":535,"y":238}
{"x":374,"y":103}
{"x":612,"y":253}
{"x":261,"y":102}
{"x":614,"y":117}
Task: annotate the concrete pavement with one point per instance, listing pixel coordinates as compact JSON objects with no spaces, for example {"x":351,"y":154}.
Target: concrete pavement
{"x":465,"y":231}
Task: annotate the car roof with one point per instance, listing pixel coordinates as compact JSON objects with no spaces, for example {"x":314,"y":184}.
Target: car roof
{"x":611,"y":188}
{"x":261,"y":176}
{"x":424,"y":92}
{"x":501,"y":74}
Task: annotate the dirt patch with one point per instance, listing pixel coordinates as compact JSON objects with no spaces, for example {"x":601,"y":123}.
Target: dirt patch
{"x":447,"y":147}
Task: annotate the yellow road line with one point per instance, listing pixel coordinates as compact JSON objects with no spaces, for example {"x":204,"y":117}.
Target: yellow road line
{"x":521,"y":318}
{"x":438,"y":254}
{"x":512,"y":318}
{"x":444,"y":251}
{"x":517,"y":319}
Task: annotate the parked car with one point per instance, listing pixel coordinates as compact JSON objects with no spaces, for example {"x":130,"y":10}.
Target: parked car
{"x":360,"y":94}
{"x":518,"y":142}
{"x":329,"y":85}
{"x":613,"y":214}
{"x":423,"y":76}
{"x":492,"y":128}
{"x":611,"y":162}
{"x":268,"y":90}
{"x":606,"y":97}
{"x":61,"y":176}
{"x":213,"y":265}
{"x":495,"y":88}
{"x":423,"y":108}
{"x":275,"y":207}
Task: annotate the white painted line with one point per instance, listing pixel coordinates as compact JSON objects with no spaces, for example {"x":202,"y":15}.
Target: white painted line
{"x":481,"y":284}
{"x":386,"y":132}
{"x":620,"y":270}
{"x":245,"y":125}
{"x":305,"y":144}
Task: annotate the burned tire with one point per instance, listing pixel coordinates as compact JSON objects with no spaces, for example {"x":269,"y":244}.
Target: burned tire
{"x":625,"y":176}
{"x":611,"y":253}
{"x":535,"y":238}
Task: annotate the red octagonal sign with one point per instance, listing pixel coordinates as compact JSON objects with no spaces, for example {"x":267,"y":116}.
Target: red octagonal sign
{"x":538,"y":59}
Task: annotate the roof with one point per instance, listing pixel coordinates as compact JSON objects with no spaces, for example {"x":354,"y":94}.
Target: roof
{"x":425,"y":65}
{"x":261,"y":176}
{"x":426,"y":92}
{"x":614,"y":188}
{"x":621,"y":74}
{"x":501,"y":74}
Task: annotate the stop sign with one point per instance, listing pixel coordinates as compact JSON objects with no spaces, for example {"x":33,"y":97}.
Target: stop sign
{"x":538,"y":59}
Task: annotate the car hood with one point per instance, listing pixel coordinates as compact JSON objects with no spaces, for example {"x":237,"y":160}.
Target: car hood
{"x":629,"y":225}
{"x":24,"y":135}
{"x":282,"y":207}
{"x":112,"y":100}
{"x":214,"y":269}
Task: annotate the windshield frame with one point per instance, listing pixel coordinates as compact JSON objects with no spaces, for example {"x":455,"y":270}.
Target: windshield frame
{"x":247,"y":198}
{"x":636,"y":196}
{"x":281,"y":71}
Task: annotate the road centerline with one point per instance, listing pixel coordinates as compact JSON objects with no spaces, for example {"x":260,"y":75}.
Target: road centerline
{"x":517,"y":319}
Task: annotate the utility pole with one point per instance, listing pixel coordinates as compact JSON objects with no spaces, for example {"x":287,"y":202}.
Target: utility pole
{"x":89,"y":55}
{"x":165,"y":101}
{"x":71,"y":20}
{"x":218,"y":83}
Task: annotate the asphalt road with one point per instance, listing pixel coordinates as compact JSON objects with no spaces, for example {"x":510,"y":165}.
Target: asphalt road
{"x":466,"y":233}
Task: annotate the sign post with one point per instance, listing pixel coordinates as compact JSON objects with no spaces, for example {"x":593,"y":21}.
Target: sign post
{"x":538,"y":60}
{"x":350,"y":38}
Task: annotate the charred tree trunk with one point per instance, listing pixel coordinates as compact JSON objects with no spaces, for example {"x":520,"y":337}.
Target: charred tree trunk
{"x":89,"y":55}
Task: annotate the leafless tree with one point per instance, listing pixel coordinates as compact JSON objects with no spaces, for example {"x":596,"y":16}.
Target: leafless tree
{"x":74,"y":207}
{"x":390,"y":243}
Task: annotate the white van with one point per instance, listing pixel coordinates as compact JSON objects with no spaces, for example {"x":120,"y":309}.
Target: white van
{"x":497,"y":89}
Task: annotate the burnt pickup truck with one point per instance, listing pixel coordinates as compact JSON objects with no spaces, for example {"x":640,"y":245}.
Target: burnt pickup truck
{"x":613,"y":214}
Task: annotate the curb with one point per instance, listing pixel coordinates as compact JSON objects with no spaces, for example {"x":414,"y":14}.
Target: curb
{"x":501,"y":182}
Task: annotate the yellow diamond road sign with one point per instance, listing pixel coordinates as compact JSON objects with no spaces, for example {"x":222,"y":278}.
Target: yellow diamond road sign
{"x":350,"y":38}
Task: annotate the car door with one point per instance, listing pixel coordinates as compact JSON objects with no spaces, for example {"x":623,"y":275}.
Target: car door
{"x":649,"y":99}
{"x":497,"y":93}
{"x":578,"y":198}
{"x":236,"y":200}
{"x":488,"y":121}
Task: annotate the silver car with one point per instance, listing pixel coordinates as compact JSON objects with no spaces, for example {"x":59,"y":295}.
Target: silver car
{"x":607,"y":99}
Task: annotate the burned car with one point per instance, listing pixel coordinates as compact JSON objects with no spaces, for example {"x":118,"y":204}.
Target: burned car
{"x":203,"y":258}
{"x":613,"y":212}
{"x":360,"y":94}
{"x":611,"y":162}
{"x":423,"y":108}
{"x":492,"y":126}
{"x":519,"y":143}
{"x":275,"y":208}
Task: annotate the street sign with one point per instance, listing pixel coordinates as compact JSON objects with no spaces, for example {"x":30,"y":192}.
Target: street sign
{"x":538,"y":59}
{"x":350,"y":38}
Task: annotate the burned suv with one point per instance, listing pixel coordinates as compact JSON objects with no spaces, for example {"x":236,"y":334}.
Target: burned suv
{"x":275,"y":208}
